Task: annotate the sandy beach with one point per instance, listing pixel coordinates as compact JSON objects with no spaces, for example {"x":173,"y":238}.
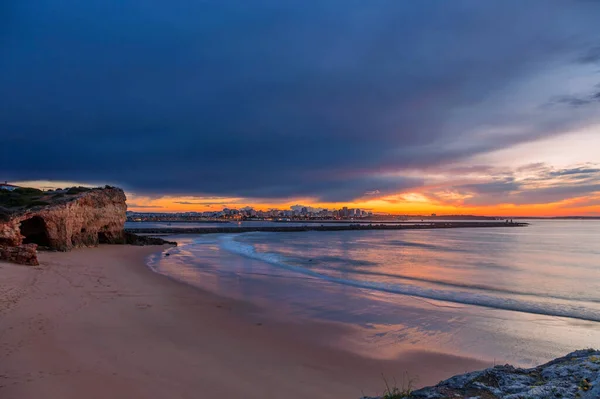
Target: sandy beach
{"x":97,"y":323}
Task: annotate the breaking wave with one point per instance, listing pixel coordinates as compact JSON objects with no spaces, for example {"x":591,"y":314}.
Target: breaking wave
{"x":561,"y":307}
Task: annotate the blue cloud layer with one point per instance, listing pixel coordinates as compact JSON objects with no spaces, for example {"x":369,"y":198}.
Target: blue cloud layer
{"x":273,"y":99}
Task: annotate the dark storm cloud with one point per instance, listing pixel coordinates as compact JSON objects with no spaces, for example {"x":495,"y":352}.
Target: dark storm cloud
{"x":591,"y":56}
{"x":132,"y":205}
{"x":542,"y":184}
{"x":195,"y":203}
{"x":580,"y":171}
{"x":498,"y":186}
{"x":577,"y":101}
{"x":272,"y":99}
{"x":209,"y":203}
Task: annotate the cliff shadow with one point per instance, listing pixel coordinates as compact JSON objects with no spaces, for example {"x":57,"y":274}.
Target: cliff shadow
{"x":35,"y":232}
{"x":103,"y":238}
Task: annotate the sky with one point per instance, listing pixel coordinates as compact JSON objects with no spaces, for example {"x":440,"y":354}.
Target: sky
{"x":448,"y":107}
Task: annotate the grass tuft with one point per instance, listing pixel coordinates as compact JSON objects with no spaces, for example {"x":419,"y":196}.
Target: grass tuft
{"x":395,"y":392}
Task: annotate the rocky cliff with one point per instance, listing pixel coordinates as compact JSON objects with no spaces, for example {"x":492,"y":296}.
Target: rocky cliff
{"x":64,"y":220}
{"x":576,"y":375}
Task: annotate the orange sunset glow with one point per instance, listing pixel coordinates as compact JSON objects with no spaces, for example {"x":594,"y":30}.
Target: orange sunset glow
{"x":536,"y":190}
{"x":396,"y":205}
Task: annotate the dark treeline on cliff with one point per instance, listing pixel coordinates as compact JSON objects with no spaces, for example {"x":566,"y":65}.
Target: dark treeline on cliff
{"x":23,"y":198}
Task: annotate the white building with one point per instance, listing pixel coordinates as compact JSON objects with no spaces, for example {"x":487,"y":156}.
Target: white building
{"x":6,"y":186}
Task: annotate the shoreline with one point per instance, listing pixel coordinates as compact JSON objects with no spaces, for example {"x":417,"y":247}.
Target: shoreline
{"x":99,"y":323}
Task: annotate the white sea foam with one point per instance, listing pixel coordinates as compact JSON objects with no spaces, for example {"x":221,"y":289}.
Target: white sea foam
{"x":549,"y":308}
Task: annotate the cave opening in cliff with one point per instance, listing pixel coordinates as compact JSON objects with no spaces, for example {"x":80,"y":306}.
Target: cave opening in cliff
{"x":103,"y":238}
{"x":35,"y":232}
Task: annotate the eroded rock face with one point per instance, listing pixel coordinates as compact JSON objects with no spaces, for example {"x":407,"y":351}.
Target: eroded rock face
{"x":87,"y":219}
{"x":23,"y":254}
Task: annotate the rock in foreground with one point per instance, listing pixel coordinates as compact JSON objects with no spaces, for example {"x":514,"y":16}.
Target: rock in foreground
{"x":576,"y":375}
{"x":25,"y":254}
{"x":143,"y":240}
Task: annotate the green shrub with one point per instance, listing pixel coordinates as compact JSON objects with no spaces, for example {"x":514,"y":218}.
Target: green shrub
{"x":20,"y":197}
{"x":4,"y":215}
{"x":77,"y":190}
{"x":28,"y":191}
{"x":36,"y":203}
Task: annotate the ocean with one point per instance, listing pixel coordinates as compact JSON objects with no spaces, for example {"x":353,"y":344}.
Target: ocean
{"x":518,"y":295}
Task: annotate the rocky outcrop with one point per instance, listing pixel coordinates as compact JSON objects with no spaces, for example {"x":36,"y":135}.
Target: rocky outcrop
{"x":576,"y":375}
{"x":87,"y":218}
{"x":23,"y":254}
{"x":139,"y":240}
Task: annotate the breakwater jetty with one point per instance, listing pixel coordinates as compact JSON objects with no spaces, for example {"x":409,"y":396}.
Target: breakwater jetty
{"x":314,"y":227}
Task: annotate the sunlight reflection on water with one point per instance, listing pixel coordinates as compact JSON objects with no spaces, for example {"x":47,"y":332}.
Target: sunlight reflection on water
{"x":416,"y":289}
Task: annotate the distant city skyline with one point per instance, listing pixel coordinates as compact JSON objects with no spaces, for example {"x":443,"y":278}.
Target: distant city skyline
{"x":295,"y":212}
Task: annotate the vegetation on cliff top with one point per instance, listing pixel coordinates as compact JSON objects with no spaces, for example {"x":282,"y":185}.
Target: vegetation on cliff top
{"x":22,"y":198}
{"x":25,"y":198}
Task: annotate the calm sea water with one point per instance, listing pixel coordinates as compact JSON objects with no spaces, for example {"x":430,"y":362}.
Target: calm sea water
{"x":523,"y":295}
